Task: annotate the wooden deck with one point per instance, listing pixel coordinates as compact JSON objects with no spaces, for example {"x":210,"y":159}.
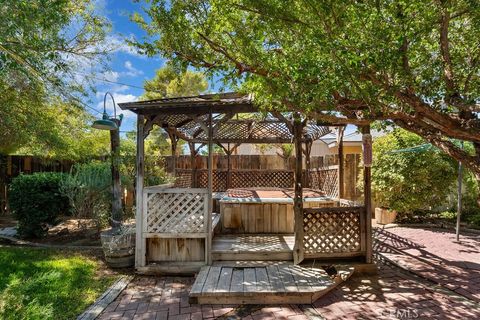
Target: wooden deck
{"x":269,"y":284}
{"x":253,"y":247}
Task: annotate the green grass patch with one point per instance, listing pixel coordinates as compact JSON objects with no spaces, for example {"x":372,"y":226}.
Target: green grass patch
{"x":48,"y":284}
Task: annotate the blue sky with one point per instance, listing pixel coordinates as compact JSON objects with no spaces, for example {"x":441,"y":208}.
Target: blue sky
{"x":125,"y":65}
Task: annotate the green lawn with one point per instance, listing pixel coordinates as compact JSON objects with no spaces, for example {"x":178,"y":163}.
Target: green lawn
{"x":47,"y":284}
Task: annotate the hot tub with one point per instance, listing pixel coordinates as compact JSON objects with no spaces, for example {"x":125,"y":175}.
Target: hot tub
{"x":265,"y":210}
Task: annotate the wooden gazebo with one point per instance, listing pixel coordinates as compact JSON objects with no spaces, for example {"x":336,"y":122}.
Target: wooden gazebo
{"x":176,"y":224}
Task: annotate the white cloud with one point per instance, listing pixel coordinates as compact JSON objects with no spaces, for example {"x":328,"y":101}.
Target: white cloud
{"x":111,"y":76}
{"x":118,"y":43}
{"x":131,"y":70}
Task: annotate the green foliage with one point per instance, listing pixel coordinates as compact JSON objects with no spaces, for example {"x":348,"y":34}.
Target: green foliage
{"x":88,"y":189}
{"x":170,"y":83}
{"x":47,"y":284}
{"x":42,"y":44}
{"x":36,"y":200}
{"x":66,"y":133}
{"x":449,"y":215}
{"x":407,"y":181}
{"x":413,"y":62}
{"x":154,"y":163}
{"x":307,"y":51}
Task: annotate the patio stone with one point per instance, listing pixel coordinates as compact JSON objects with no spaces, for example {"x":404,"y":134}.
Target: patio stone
{"x":392,"y":293}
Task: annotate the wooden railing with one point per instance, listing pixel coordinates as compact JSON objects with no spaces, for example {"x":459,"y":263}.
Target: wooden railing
{"x":175,"y":224}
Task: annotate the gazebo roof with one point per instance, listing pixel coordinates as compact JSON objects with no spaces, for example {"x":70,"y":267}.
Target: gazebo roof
{"x":201,"y":104}
{"x":188,"y":118}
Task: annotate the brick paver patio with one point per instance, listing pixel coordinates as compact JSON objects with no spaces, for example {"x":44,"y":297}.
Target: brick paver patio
{"x":392,"y":294}
{"x":434,"y":255}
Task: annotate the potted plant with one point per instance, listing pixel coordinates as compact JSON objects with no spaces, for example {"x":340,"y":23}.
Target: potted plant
{"x":385,"y":215}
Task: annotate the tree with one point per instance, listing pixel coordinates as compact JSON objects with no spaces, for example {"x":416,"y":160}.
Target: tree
{"x":168,"y":83}
{"x":42,"y":45}
{"x":415,"y":63}
{"x":418,"y":178}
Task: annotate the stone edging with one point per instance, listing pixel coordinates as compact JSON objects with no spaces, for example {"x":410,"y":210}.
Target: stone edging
{"x":425,"y":225}
{"x":105,"y":299}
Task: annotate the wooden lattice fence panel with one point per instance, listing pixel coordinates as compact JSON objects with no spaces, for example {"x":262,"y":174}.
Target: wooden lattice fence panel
{"x":183,"y":179}
{"x":219,"y":180}
{"x":332,"y":230}
{"x":176,"y":211}
{"x":325,"y":180}
{"x":262,"y":178}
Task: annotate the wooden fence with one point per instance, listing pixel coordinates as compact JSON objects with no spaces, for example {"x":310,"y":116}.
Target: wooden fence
{"x":267,"y":171}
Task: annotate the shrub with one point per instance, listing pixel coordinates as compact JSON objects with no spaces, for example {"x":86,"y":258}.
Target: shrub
{"x":406,"y":181}
{"x":36,"y":200}
{"x":88,"y":189}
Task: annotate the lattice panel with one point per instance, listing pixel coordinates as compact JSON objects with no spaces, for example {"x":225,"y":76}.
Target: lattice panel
{"x":249,"y":179}
{"x":325,"y":180}
{"x":219,"y":180}
{"x":332,"y":231}
{"x":183,"y":179}
{"x":182,"y":212}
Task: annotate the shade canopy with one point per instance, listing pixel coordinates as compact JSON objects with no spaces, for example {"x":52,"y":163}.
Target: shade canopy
{"x":235,"y":119}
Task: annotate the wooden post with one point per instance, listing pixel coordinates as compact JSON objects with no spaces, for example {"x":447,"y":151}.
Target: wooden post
{"x":173,"y":148}
{"x":140,"y":244}
{"x":229,"y":166}
{"x":193,"y":164}
{"x":210,"y":190}
{"x":341,"y":170}
{"x":116,"y":219}
{"x":298,"y":250}
{"x":367,"y":187}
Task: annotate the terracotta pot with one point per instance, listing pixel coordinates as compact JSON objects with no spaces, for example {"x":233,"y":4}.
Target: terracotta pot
{"x":385,"y":216}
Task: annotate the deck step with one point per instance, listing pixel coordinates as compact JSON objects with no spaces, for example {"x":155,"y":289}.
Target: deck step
{"x":253,"y":247}
{"x":281,"y":283}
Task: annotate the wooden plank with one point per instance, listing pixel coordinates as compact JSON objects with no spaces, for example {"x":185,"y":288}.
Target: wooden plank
{"x":276,"y":282}
{"x":212,"y":280}
{"x":259,"y":222}
{"x":287,"y":278}
{"x":251,"y":225}
{"x":290,"y":224}
{"x":301,"y":279}
{"x":227,"y":216}
{"x":149,"y":235}
{"x":249,"y":280}
{"x":236,"y":219}
{"x":224,"y":280}
{"x":252,"y":256}
{"x":175,"y":249}
{"x":199,"y":281}
{"x":262,"y":283}
{"x":275,"y":211}
{"x":282,"y":218}
{"x":236,"y":285}
{"x":267,"y":217}
{"x":260,"y":298}
{"x":171,"y":268}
